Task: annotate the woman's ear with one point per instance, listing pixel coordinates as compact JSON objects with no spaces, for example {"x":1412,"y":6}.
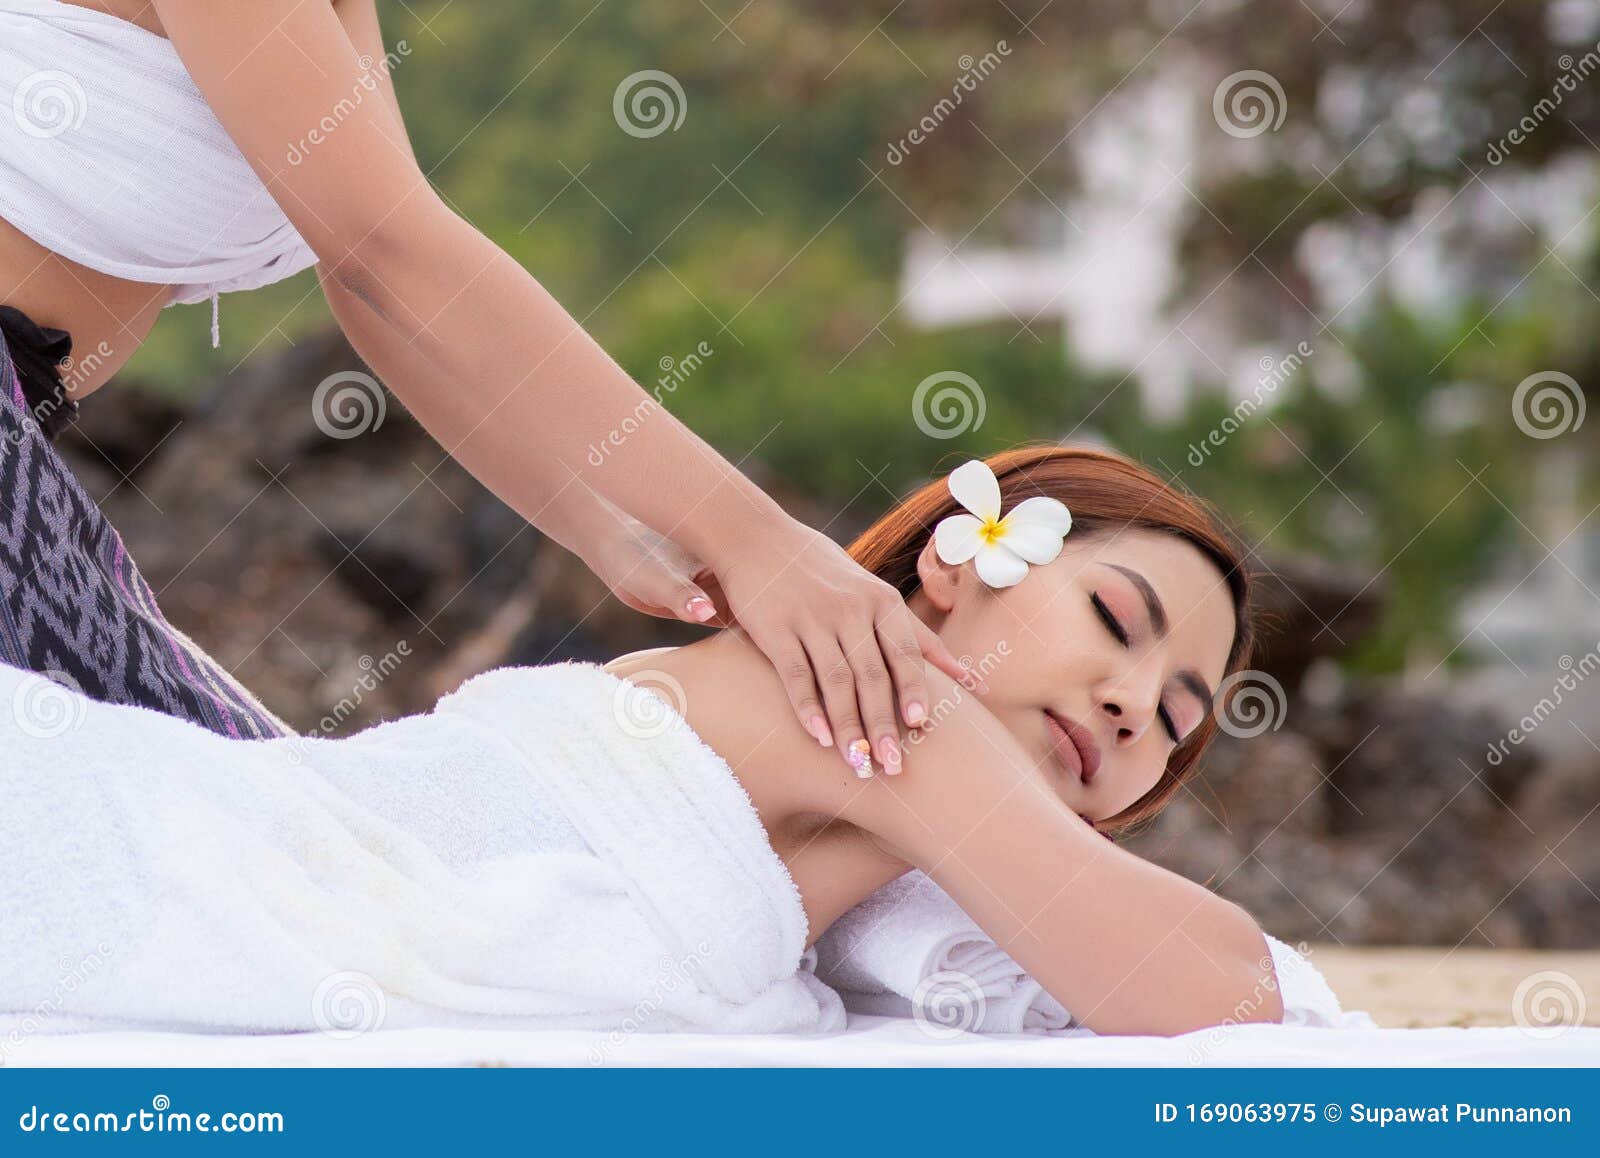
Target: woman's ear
{"x":939,"y":580}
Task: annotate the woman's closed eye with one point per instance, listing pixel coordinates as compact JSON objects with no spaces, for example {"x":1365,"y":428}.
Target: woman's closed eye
{"x":1113,"y":625}
{"x":1120,"y":634}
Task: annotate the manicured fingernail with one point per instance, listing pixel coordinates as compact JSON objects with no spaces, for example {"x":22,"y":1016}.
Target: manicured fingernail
{"x":915,"y":713}
{"x":889,"y":755}
{"x":818,"y":727}
{"x":859,"y":757}
{"x":701,"y":609}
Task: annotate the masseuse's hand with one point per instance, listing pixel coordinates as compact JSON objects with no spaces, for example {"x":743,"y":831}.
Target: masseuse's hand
{"x":653,"y":574}
{"x":848,"y":648}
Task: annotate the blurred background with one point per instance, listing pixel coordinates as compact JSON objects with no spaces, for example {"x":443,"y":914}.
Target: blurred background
{"x":1331,"y":265}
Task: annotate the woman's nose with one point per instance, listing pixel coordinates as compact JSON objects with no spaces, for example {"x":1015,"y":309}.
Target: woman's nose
{"x":1129,"y":714}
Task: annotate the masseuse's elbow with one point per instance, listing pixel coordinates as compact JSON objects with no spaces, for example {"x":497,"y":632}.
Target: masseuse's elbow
{"x":377,"y":253}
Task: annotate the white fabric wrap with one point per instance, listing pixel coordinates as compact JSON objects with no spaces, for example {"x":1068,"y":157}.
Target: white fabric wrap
{"x":109,"y":156}
{"x":514,"y":858}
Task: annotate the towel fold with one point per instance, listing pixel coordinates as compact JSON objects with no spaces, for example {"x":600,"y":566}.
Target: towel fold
{"x":909,"y":950}
{"x":516,"y":857}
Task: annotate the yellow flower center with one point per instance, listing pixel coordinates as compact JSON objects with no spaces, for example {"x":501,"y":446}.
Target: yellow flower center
{"x":991,"y":531}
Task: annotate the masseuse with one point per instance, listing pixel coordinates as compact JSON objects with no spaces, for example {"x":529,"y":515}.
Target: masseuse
{"x":158,"y":155}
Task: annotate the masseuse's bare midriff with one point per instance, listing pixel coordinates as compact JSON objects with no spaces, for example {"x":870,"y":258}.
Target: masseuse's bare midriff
{"x":107,"y":317}
{"x":734,"y":702}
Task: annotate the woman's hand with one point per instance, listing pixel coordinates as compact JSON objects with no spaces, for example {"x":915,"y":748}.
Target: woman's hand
{"x":844,"y":642}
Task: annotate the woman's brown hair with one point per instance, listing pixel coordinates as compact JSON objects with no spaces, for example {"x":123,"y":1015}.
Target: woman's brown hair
{"x":1105,"y":492}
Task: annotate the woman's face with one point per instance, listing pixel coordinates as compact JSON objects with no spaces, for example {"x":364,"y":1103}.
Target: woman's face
{"x":1099,"y":663}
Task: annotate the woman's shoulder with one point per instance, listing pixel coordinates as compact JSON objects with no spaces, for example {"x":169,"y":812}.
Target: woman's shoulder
{"x":623,"y":664}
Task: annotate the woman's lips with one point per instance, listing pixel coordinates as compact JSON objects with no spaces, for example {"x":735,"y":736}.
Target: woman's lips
{"x":1074,"y":747}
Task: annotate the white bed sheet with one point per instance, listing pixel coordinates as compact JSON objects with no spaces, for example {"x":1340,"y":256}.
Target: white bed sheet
{"x":868,"y":1041}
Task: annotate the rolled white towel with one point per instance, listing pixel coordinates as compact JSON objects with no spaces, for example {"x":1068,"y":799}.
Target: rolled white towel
{"x":910,"y":950}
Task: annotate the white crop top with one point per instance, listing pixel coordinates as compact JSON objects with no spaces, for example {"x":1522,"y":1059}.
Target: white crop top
{"x":110,"y":157}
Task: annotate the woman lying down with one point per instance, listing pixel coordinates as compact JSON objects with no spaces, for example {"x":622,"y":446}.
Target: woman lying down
{"x":658,"y":844}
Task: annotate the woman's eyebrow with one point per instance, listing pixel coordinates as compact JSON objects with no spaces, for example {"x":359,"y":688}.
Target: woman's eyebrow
{"x":1152,"y":601}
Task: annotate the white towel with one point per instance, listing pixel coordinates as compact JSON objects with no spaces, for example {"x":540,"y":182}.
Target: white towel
{"x":527,"y":854}
{"x":909,"y":950}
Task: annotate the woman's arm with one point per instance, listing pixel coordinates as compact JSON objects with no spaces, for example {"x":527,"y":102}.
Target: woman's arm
{"x":511,"y":385}
{"x":1126,"y":946}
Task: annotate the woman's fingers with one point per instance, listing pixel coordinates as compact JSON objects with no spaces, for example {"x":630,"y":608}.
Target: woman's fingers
{"x":667,"y":597}
{"x":697,"y":606}
{"x":836,"y":676}
{"x":795,"y":667}
{"x":874,"y":694}
{"x":902,"y":651}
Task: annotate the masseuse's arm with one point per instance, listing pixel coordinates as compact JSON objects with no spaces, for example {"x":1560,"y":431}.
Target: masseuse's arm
{"x":645,"y":571}
{"x":512,"y":386}
{"x":1126,"y":946}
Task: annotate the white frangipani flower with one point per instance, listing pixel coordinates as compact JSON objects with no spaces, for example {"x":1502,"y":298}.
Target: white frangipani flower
{"x":1001,"y":548}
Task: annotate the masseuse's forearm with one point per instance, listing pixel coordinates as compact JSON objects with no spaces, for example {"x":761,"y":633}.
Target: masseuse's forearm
{"x":571,"y":514}
{"x":515,"y":389}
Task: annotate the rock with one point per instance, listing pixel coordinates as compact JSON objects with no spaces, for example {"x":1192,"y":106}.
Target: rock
{"x":1311,"y":608}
